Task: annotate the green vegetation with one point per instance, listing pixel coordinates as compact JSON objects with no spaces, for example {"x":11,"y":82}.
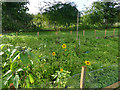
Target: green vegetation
{"x":28,"y":48}
{"x":55,"y":61}
{"x":58,"y":15}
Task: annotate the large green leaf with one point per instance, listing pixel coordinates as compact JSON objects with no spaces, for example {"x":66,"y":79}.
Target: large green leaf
{"x":7,"y":73}
{"x":14,"y":50}
{"x":31,"y":78}
{"x":6,"y":81}
{"x":16,"y":79}
{"x":15,"y":57}
{"x":24,"y":58}
{"x":27,"y":82}
{"x":2,"y":46}
{"x":13,"y":66}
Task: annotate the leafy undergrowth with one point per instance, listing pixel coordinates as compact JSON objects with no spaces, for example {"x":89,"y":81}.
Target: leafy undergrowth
{"x":30,"y":62}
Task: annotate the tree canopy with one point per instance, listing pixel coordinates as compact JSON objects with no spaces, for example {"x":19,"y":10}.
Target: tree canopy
{"x":103,"y":13}
{"x":14,"y":15}
{"x":61,"y":13}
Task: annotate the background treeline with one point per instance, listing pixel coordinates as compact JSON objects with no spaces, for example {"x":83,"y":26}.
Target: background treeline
{"x":59,"y":16}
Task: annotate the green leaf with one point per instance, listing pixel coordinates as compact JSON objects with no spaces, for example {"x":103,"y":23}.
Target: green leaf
{"x":7,"y":73}
{"x":20,"y":69}
{"x":16,"y":81}
{"x":24,"y":58}
{"x":7,"y":79}
{"x":2,"y":46}
{"x":1,"y":53}
{"x":14,"y":50}
{"x":11,"y":66}
{"x":27,"y":82}
{"x":16,"y":57}
{"x":31,"y":78}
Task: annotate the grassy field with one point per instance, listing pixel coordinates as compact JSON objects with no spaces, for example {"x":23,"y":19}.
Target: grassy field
{"x":100,"y":53}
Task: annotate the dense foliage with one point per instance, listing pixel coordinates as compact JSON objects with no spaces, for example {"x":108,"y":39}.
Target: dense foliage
{"x":62,"y":13}
{"x":29,"y":60}
{"x":14,"y":16}
{"x":57,"y":15}
{"x":101,"y":14}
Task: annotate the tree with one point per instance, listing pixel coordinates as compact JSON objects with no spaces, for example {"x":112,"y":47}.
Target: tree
{"x":101,"y":13}
{"x":61,"y":13}
{"x":14,"y":16}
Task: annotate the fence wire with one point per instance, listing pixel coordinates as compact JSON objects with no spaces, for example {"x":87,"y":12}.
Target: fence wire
{"x":96,"y":79}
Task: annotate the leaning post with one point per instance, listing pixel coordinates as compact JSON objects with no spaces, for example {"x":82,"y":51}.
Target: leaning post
{"x":82,"y":79}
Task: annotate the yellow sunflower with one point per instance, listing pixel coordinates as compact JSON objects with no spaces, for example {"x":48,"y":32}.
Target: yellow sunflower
{"x":64,"y":46}
{"x":61,"y":70}
{"x":87,"y":63}
{"x":65,"y":49}
{"x":0,"y":34}
{"x":53,"y":53}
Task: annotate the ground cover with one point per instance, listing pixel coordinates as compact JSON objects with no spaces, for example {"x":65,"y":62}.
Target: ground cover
{"x":99,"y":52}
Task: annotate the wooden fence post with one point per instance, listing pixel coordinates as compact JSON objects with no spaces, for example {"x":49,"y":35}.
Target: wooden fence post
{"x":82,"y":79}
{"x":38,"y":34}
{"x":71,"y":32}
{"x":16,"y":33}
{"x":95,"y":33}
{"x":83,"y":32}
{"x":105,"y":32}
{"x":56,"y":33}
{"x":114,"y":32}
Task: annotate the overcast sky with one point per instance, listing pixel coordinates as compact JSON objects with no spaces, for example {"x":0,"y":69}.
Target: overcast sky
{"x":33,"y":7}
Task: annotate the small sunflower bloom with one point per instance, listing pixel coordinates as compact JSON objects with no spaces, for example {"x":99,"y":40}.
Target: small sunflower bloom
{"x":65,"y":49}
{"x":64,"y":46}
{"x":0,"y":34}
{"x":53,"y":53}
{"x":61,"y":70}
{"x":87,"y":63}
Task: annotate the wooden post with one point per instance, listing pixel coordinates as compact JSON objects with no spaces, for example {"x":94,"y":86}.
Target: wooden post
{"x":71,"y":32}
{"x":56,"y":33}
{"x":16,"y":33}
{"x":82,"y":79}
{"x":105,"y":32}
{"x":114,"y":32}
{"x":77,"y":25}
{"x":38,"y":34}
{"x":83,"y":32}
{"x":95,"y":33}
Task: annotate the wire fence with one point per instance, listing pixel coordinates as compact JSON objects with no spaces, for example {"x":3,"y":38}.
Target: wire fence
{"x":96,"y":79}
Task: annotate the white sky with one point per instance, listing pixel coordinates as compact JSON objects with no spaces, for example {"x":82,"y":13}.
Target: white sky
{"x":33,"y":7}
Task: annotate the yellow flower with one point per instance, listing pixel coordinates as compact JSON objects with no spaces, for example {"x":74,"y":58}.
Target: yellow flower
{"x":53,"y":53}
{"x":61,"y":70}
{"x":87,"y":63}
{"x":0,"y":34}
{"x":64,"y":46}
{"x":65,"y":49}
{"x":18,"y":57}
